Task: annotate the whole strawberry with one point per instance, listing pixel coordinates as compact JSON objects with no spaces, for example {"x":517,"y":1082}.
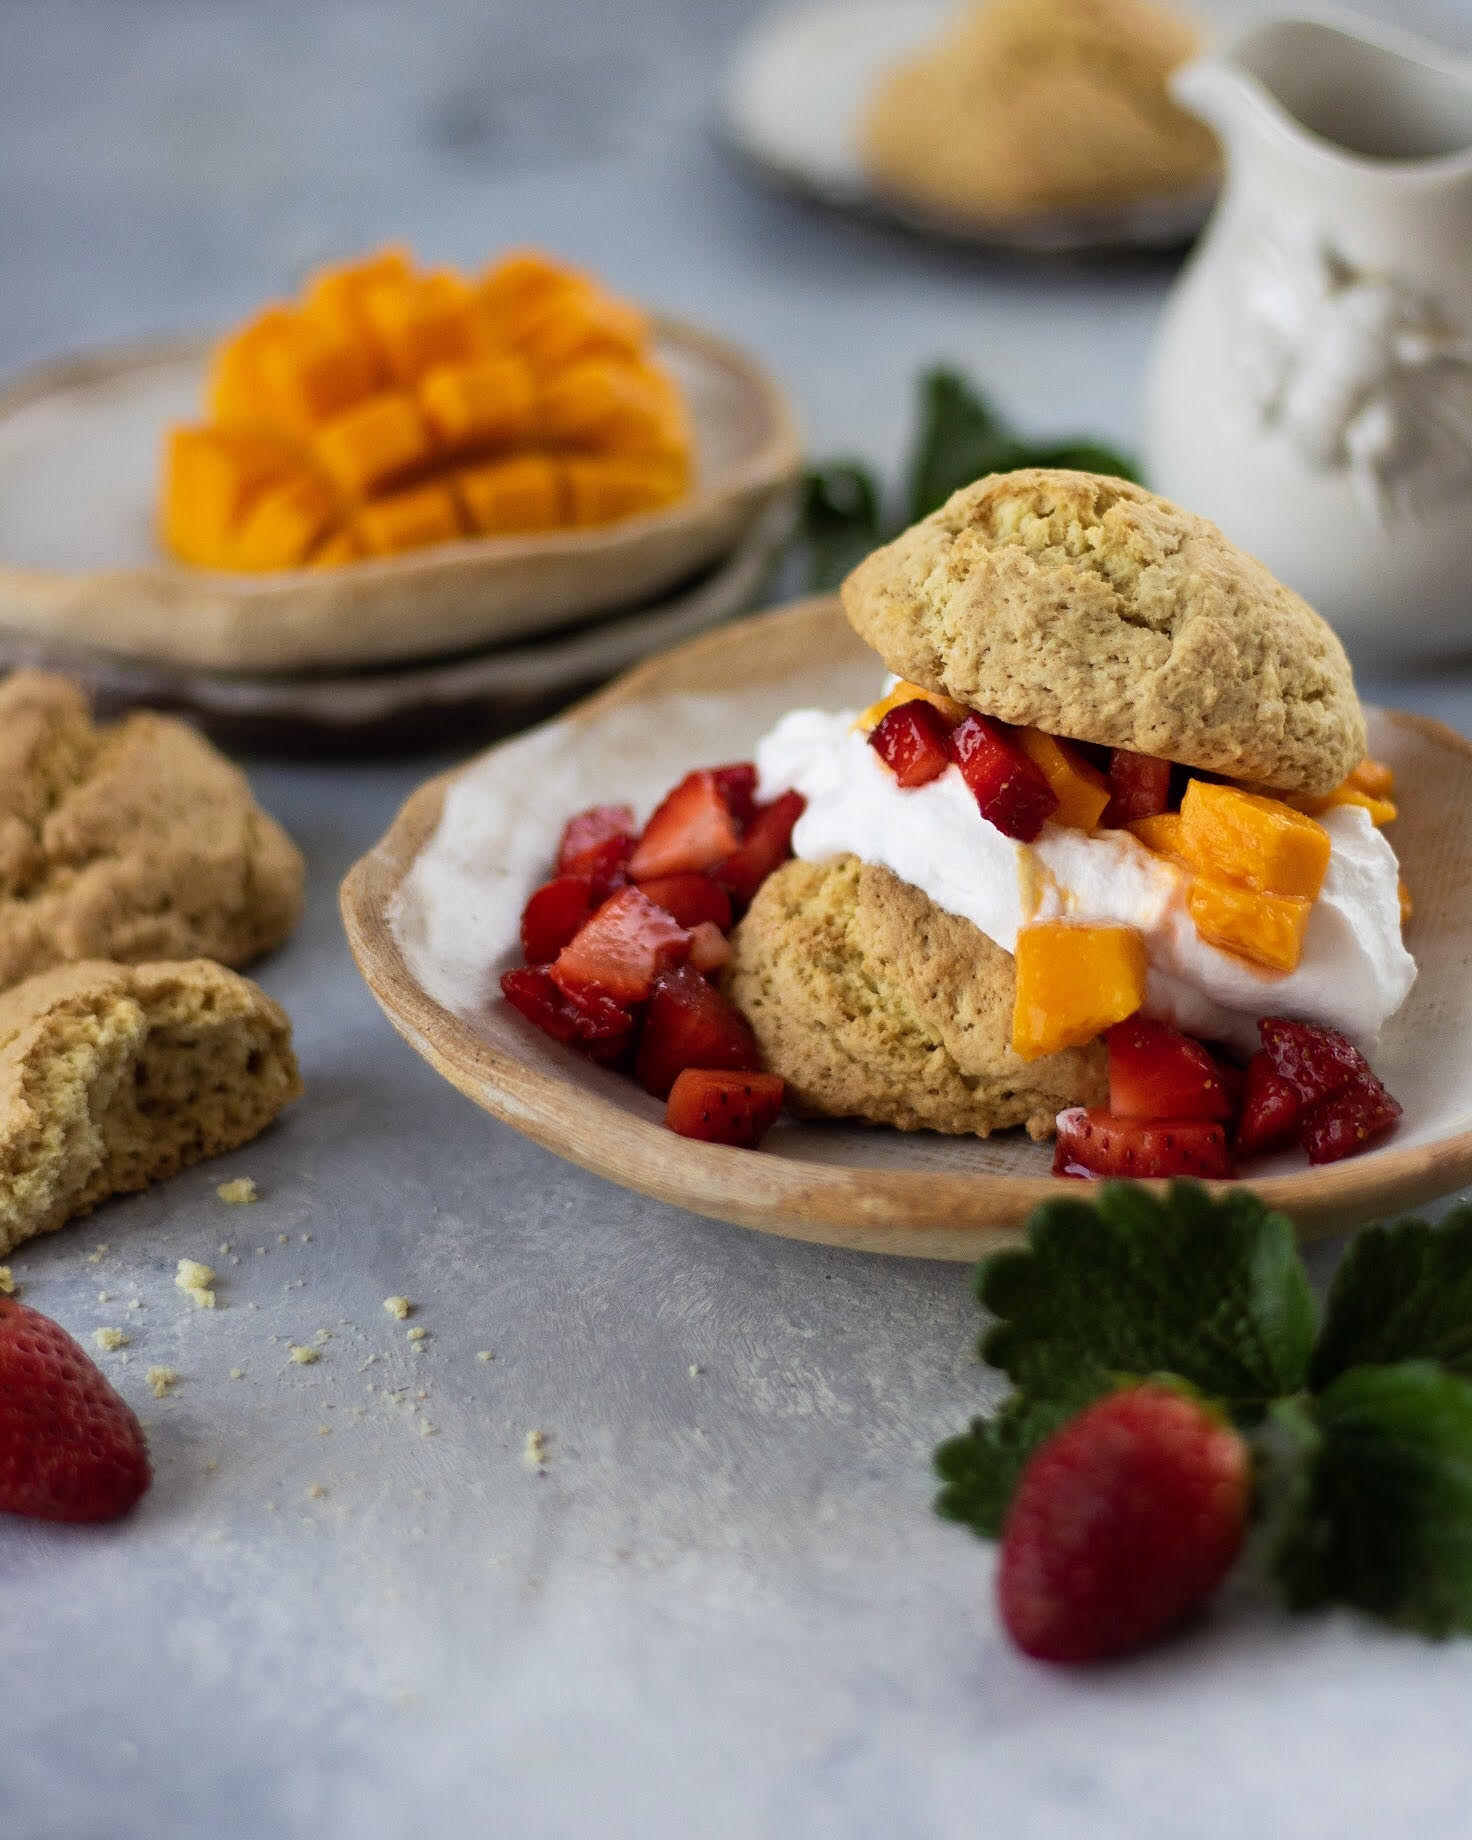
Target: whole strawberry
{"x":1122,"y":1522}
{"x":70,"y":1448}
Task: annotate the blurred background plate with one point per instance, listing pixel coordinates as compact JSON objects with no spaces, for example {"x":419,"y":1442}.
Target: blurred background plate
{"x":79,"y":565}
{"x":487,"y":692}
{"x":792,"y":101}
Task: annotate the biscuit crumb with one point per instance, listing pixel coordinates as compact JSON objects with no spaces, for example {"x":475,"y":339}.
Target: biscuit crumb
{"x":398,"y":1307}
{"x":135,"y":1303}
{"x":696,"y":1370}
{"x":96,"y":1257}
{"x":195,"y":1280}
{"x":485,"y":1354}
{"x":534,"y":1450}
{"x":304,"y":1355}
{"x":322,"y":1336}
{"x":104,"y":1296}
{"x":417,"y":1335}
{"x":7,"y":1281}
{"x":162,"y":1381}
{"x":211,"y":1464}
{"x":109,"y":1340}
{"x":428,"y":1430}
{"x":237,"y":1373}
{"x":317,"y":1492}
{"x":239,"y":1191}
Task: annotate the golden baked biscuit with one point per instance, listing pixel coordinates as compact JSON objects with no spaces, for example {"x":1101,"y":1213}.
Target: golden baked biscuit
{"x":871,"y":1002}
{"x":113,"y":1077}
{"x":1093,"y":609}
{"x":132,"y":841}
{"x":1031,"y":106}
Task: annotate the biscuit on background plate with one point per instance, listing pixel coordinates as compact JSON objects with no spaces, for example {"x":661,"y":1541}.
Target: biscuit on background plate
{"x":873,"y":1002}
{"x":129,"y":841}
{"x":113,"y":1077}
{"x":1092,"y":609}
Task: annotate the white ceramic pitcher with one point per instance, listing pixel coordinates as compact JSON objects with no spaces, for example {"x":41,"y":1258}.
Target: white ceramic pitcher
{"x":1311,"y":388}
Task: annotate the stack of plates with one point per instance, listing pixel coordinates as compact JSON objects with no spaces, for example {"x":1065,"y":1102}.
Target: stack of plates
{"x":484,"y":630}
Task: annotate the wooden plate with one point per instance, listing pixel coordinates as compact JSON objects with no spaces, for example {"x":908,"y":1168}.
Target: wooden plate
{"x":846,"y":1185}
{"x":792,"y":102}
{"x":434,"y":702}
{"x":79,"y":565}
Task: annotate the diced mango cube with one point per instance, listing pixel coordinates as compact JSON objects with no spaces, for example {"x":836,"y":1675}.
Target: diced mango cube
{"x":522,"y":494}
{"x":211,"y":477}
{"x":420,"y":322}
{"x":1073,"y":982}
{"x":1265,"y":928}
{"x":236,"y":394}
{"x":1081,"y":790}
{"x":1162,"y":834}
{"x":607,"y":486}
{"x":1382,"y":811}
{"x":1373,"y":778}
{"x":1260,"y":842}
{"x":334,"y":296}
{"x":312,"y":374}
{"x":906,"y":692}
{"x":609,"y":403}
{"x":488,"y":402}
{"x":284,"y":524}
{"x":522,"y":281}
{"x":408,"y":520}
{"x":372,"y":442}
{"x":574,"y":322}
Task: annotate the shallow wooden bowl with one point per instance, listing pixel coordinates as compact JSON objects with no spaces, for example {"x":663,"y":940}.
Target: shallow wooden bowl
{"x":80,"y":449}
{"x":844,"y":1185}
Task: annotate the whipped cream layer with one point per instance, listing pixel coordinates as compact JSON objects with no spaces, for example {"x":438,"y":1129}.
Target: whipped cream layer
{"x":1354,"y":972}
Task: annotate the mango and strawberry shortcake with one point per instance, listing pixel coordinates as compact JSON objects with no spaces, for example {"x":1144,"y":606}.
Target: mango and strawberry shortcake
{"x":1105,"y":859}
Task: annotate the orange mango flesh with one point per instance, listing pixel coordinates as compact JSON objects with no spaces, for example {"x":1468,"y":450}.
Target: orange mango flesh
{"x":1260,"y":842}
{"x":1073,"y":982}
{"x":1082,"y":791}
{"x":1370,"y":786}
{"x":389,"y":408}
{"x":905,"y":692}
{"x":1265,"y":928}
{"x":1162,"y":834}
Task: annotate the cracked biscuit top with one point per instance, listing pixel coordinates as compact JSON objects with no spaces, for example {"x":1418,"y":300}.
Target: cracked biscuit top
{"x":130,"y":841}
{"x":1092,"y":609}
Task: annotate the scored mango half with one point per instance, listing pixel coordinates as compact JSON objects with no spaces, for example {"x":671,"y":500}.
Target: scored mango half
{"x":389,"y":408}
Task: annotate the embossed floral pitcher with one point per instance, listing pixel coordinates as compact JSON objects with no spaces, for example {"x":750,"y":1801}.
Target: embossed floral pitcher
{"x":1311,"y":389}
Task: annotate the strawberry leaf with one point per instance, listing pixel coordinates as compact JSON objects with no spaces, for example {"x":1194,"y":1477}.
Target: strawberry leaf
{"x":1384,"y":1521}
{"x":1402,"y":1293}
{"x":979,"y":1468}
{"x":1213,"y":1291}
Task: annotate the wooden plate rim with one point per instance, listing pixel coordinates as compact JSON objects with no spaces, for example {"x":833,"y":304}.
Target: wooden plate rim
{"x":920,"y":1214}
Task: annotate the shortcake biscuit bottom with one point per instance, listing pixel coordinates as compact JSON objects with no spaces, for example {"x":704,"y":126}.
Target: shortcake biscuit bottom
{"x":116,"y":1077}
{"x":874,"y":1003}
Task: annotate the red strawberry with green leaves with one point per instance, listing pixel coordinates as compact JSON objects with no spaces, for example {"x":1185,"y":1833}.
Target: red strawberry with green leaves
{"x":1123,"y":1522}
{"x":70,"y":1447}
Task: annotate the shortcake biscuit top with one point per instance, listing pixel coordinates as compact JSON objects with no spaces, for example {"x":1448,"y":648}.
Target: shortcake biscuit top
{"x":1091,"y":608}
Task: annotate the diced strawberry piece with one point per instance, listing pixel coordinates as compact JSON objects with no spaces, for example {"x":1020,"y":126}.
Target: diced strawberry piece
{"x":1232,"y":1077}
{"x":1348,"y":1120}
{"x":724,"y":1108}
{"x":553,"y":916}
{"x":737,"y":786}
{"x":1139,"y":787}
{"x":1271,"y":1109}
{"x":1314,"y":1061}
{"x":588,"y":839}
{"x":622,"y":949}
{"x":1094,"y":1143}
{"x":768,"y":845}
{"x":690,"y":898}
{"x":603,"y":1029}
{"x":912,"y":740}
{"x":689,"y":1023}
{"x":691,"y":830}
{"x":1009,"y":790}
{"x":709,"y":947}
{"x":1157,"y":1072}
